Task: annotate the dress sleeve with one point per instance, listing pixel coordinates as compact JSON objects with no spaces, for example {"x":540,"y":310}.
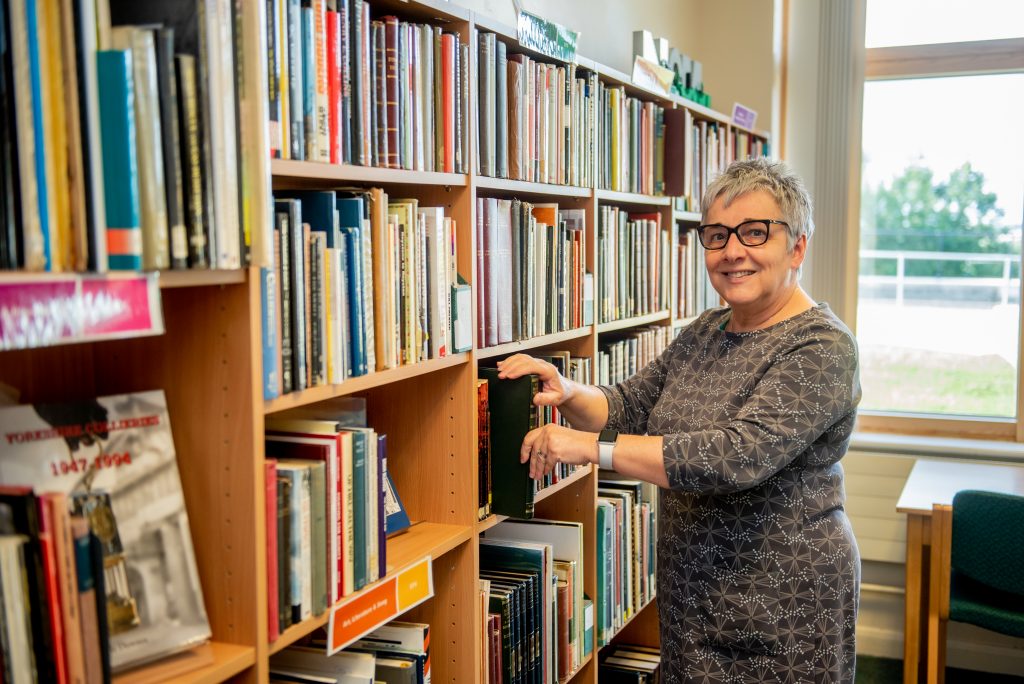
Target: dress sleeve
{"x":807,"y":391}
{"x":630,"y":402}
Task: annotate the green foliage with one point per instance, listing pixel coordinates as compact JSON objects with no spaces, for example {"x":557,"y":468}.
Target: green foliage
{"x":918,"y":212}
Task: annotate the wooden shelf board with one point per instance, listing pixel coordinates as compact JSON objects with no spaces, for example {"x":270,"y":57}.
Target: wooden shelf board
{"x":532,"y":343}
{"x":228,"y":660}
{"x":528,"y":188}
{"x":201,"y":278}
{"x":692,"y":216}
{"x":422,"y":10}
{"x":580,"y":474}
{"x":610,"y":326}
{"x":632,"y":198}
{"x":361,"y":383}
{"x":419,"y":541}
{"x":635,"y":615}
{"x":616,"y":78}
{"x":683,"y":321}
{"x":347,"y":173}
{"x":489,"y":522}
{"x":572,"y":675}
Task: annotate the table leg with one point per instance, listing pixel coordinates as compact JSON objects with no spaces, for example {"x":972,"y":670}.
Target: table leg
{"x":916,"y":598}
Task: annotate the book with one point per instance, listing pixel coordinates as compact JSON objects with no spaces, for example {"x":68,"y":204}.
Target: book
{"x":120,"y":160}
{"x":103,"y":454}
{"x":512,"y":415}
{"x":16,"y":627}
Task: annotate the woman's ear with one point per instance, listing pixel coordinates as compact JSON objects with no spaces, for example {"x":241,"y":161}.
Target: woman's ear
{"x":798,"y":252}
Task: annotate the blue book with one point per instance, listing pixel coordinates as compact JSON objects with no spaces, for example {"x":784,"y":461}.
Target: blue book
{"x":35,"y":77}
{"x":350,"y":215}
{"x":383,"y":522}
{"x":320,"y":211}
{"x":309,"y":84}
{"x":120,"y":159}
{"x":268,"y":310}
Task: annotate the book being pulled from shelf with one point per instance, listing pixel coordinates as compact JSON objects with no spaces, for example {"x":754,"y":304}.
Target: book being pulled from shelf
{"x":111,"y":461}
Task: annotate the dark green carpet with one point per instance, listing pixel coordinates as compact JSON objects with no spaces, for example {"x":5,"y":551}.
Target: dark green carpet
{"x":872,"y":670}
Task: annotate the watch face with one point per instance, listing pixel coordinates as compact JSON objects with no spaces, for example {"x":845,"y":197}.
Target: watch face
{"x":608,"y":436}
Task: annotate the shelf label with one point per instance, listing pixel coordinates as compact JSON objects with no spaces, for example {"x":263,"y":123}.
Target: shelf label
{"x":355,"y":617}
{"x":70,"y":308}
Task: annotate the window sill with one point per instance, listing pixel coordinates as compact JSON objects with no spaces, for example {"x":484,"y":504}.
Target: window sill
{"x":938,"y":447}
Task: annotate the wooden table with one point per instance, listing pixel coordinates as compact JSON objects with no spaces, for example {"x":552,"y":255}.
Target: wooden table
{"x":936,"y":482}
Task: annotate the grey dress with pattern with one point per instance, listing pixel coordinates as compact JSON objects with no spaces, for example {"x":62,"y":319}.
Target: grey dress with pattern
{"x":758,"y":569}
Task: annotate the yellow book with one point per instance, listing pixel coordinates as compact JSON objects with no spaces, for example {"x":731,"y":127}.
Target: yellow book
{"x":52,"y":90}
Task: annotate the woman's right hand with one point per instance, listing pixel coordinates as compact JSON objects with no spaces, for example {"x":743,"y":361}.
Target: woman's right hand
{"x":555,"y":390}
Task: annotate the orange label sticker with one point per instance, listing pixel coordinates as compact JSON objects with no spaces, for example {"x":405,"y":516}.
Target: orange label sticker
{"x":354,"y":618}
{"x":415,"y":585}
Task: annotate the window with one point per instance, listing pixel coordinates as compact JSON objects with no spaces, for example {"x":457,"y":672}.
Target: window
{"x":942,"y":201}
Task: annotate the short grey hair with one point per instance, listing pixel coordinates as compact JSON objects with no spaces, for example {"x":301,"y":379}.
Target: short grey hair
{"x":774,"y":177}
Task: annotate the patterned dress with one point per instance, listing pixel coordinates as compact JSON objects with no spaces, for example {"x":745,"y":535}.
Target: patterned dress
{"x":758,"y":570}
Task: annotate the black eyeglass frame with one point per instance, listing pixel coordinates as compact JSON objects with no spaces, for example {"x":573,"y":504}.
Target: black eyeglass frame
{"x":768,"y":223}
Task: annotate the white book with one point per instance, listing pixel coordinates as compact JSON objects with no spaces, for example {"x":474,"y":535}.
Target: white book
{"x":438,"y":284}
{"x":16,"y":628}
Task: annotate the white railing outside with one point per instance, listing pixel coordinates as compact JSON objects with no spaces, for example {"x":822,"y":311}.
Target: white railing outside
{"x":1005,"y":284}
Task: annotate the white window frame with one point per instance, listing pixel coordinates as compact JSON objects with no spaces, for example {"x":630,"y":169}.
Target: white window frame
{"x":933,"y":60}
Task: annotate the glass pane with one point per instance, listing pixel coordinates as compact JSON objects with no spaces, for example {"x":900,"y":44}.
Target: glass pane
{"x":914,"y":22}
{"x":941,"y":209}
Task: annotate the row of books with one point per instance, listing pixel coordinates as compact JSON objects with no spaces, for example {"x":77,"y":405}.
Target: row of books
{"x":535,"y":119}
{"x":530,"y":259}
{"x":97,"y":568}
{"x":635,"y":257}
{"x":360,"y":283}
{"x":630,"y":664}
{"x":326,"y":479}
{"x":631,"y":137}
{"x":506,"y":412}
{"x":626,"y":537}
{"x":693,"y":290}
{"x":347,"y":89}
{"x":396,"y":653}
{"x":628,"y":352}
{"x":706,"y":153}
{"x":532,"y":573}
{"x":121,"y":146}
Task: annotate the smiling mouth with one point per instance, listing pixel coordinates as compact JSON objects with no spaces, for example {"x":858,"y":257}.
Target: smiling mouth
{"x":737,"y":274}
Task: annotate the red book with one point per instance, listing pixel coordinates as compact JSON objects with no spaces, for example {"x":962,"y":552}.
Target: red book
{"x":334,"y":84}
{"x":51,"y":586}
{"x":270,"y":508}
{"x":448,"y":99}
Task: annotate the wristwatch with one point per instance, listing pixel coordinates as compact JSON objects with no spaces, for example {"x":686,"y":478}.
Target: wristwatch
{"x":605,"y":446}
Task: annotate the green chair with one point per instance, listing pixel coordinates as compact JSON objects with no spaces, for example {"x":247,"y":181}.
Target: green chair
{"x":977,"y":569}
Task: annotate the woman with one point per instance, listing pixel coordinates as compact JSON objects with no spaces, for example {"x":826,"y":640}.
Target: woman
{"x":742,"y":422}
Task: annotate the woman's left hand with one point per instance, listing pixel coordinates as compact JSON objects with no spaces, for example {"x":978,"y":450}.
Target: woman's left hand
{"x":552,"y":444}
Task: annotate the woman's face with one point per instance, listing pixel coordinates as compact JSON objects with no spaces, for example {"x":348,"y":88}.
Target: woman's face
{"x":753,"y":278}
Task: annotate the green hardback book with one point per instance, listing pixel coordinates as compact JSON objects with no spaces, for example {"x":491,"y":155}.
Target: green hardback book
{"x":318,"y":535}
{"x":512,"y":416}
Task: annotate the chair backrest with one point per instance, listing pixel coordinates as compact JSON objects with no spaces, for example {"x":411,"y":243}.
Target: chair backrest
{"x":988,"y":539}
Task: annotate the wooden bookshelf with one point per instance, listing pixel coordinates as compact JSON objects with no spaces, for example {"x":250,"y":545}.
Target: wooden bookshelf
{"x":632,"y":198}
{"x":686,"y":216}
{"x":517,"y":188}
{"x":625,"y":323}
{"x":421,"y":540}
{"x":209,"y":363}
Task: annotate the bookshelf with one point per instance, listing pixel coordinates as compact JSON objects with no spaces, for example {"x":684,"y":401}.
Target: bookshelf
{"x":209,"y":364}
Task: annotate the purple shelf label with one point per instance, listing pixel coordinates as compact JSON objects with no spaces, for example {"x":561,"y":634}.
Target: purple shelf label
{"x":742,"y":116}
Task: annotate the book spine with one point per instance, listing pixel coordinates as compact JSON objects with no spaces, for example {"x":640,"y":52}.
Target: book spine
{"x":51,"y":578}
{"x":355,"y":298}
{"x":381,"y":91}
{"x":501,"y":110}
{"x":296,"y":89}
{"x":170,"y":139}
{"x":192,"y":165}
{"x":120,"y":160}
{"x":298,"y":293}
{"x":269,"y":326}
{"x":323,"y":132}
{"x":334,"y":85}
{"x":284,"y":279}
{"x":392,"y":91}
{"x":87,"y":598}
{"x":318,"y":537}
{"x":309,"y":85}
{"x":274,"y":100}
{"x":359,"y":508}
{"x":284,"y":545}
{"x":270,"y":511}
{"x":382,"y":468}
{"x":358,"y":8}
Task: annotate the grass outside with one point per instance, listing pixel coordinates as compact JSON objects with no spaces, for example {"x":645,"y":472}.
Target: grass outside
{"x":916,"y":381}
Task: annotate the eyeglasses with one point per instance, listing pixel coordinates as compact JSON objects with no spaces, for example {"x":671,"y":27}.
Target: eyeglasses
{"x":750,"y":233}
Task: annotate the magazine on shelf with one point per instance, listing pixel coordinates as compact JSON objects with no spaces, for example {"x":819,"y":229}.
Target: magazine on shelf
{"x":114,"y":458}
